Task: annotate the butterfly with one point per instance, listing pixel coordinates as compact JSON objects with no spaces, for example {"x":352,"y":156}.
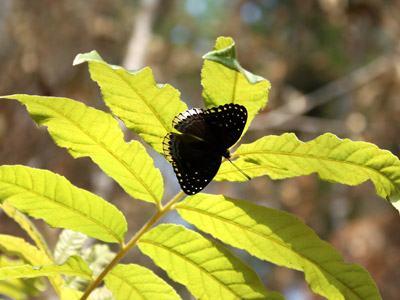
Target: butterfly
{"x":205,"y":136}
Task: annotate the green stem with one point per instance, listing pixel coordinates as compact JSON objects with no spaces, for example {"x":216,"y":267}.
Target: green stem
{"x":131,"y":244}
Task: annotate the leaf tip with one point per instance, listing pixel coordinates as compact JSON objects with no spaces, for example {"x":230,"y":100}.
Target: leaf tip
{"x":85,"y":57}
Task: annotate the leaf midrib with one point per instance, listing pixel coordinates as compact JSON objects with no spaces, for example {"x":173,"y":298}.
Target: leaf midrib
{"x":190,"y":262}
{"x":142,"y":98}
{"x":101,"y":145}
{"x":123,"y":279}
{"x":109,"y":231}
{"x":53,"y":272}
{"x":379,"y":174}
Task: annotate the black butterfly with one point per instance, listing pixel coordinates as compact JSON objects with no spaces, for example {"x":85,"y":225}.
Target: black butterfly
{"x":205,"y":137}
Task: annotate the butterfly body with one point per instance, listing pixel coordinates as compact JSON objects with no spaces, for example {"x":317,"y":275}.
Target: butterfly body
{"x":205,"y":136}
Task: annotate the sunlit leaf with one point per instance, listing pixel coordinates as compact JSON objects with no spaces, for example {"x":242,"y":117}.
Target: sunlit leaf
{"x":13,"y":290}
{"x":26,"y":286}
{"x":85,"y":131}
{"x":208,"y":270}
{"x":26,"y":225}
{"x":333,"y":159}
{"x":51,"y":197}
{"x":17,"y":246}
{"x":225,"y":81}
{"x":75,"y":266}
{"x":29,"y":253}
{"x":70,"y":294}
{"x":145,"y":107}
{"x":131,"y":282}
{"x":282,"y":239}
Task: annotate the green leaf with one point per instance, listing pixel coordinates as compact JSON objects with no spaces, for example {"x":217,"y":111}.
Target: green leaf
{"x":225,"y":81}
{"x":85,"y":131}
{"x":8,"y":262}
{"x":12,"y":289}
{"x":28,"y":226}
{"x":43,"y":194}
{"x":75,"y":266}
{"x":131,"y":282}
{"x":282,"y":239}
{"x":17,"y":246}
{"x":335,"y":160}
{"x":208,"y":270}
{"x":145,"y":107}
{"x":224,"y":53}
{"x":31,"y":286}
{"x":70,"y":294}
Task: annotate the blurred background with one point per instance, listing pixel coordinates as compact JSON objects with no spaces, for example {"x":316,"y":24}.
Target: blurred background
{"x":334,"y":67}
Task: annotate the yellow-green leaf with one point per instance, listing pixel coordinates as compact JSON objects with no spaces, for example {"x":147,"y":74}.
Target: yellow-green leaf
{"x":145,"y":107}
{"x":70,"y":294}
{"x":13,"y":290}
{"x":7,"y":262}
{"x":28,"y":226}
{"x":208,"y":270}
{"x":30,"y":286}
{"x":74,"y":266}
{"x":335,"y":160}
{"x":85,"y":131}
{"x":282,"y":239}
{"x":43,"y":194}
{"x":131,"y":282}
{"x":27,"y":252}
{"x":17,"y":246}
{"x":225,"y":81}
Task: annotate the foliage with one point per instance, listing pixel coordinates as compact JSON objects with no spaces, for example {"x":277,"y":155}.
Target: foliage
{"x":208,"y":269}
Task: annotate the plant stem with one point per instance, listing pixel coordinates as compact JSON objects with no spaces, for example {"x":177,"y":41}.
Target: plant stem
{"x":131,"y":244}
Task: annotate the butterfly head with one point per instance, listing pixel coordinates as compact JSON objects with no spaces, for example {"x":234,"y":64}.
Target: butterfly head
{"x":227,"y":154}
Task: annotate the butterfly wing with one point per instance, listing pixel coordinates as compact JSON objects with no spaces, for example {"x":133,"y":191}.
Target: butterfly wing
{"x":193,"y":164}
{"x":219,"y":126}
{"x":226,"y":123}
{"x":206,"y":136}
{"x":191,"y":122}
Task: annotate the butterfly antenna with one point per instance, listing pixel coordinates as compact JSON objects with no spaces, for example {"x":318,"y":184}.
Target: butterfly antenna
{"x":240,"y":170}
